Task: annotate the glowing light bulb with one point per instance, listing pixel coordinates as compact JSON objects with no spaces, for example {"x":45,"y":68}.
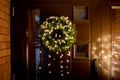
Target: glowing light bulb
{"x":40,"y":68}
{"x":61,"y":61}
{"x":57,"y":26}
{"x":61,"y":56}
{"x":53,"y":21}
{"x":98,"y":39}
{"x":54,"y":59}
{"x":49,"y":56}
{"x":44,"y":34}
{"x":100,"y":65}
{"x":102,"y":51}
{"x":105,"y":39}
{"x":61,"y":66}
{"x":40,"y":51}
{"x":68,"y":54}
{"x":46,"y":30}
{"x":50,"y":72}
{"x":50,"y":37}
{"x":55,"y":41}
{"x":67,"y":66}
{"x":67,"y":61}
{"x":105,"y":57}
{"x":116,"y":45}
{"x":68,"y":72}
{"x":39,"y":36}
{"x":66,"y":38}
{"x":60,"y":36}
{"x":94,"y":48}
{"x":61,"y":71}
{"x":115,"y":62}
{"x":56,"y":35}
{"x":59,"y":42}
{"x":62,"y":74}
{"x":55,"y":45}
{"x":49,"y":64}
{"x":57,"y":52}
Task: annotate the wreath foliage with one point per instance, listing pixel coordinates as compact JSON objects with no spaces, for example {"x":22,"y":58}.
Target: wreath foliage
{"x":58,"y":33}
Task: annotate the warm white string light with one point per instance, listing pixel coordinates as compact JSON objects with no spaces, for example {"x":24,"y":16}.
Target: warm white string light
{"x":67,"y":61}
{"x":50,"y":72}
{"x":67,"y":66}
{"x":61,"y":71}
{"x":115,"y":58}
{"x":40,"y":52}
{"x":62,"y":74}
{"x":39,"y":67}
{"x":68,"y":72}
{"x":57,"y":52}
{"x":61,"y":66}
{"x":61,"y":61}
{"x":49,"y":64}
{"x":54,"y":59}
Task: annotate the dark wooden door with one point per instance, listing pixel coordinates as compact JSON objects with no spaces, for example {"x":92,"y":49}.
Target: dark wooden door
{"x":77,"y":68}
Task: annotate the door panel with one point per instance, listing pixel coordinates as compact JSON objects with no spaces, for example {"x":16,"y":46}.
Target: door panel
{"x":80,"y":70}
{"x":81,"y":49}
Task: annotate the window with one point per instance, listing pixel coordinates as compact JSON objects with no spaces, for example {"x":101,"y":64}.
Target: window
{"x":80,"y":13}
{"x":81,"y":20}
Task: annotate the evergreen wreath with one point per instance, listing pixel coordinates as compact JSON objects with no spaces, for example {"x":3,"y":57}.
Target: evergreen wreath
{"x":58,"y":33}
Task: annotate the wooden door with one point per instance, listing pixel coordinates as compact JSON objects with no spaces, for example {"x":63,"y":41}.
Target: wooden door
{"x":81,"y":49}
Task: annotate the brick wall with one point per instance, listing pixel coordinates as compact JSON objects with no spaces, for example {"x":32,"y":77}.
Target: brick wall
{"x":5,"y":40}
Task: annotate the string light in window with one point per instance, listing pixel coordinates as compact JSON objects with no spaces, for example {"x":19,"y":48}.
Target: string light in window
{"x":100,"y":65}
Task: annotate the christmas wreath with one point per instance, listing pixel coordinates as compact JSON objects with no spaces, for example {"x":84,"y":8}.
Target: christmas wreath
{"x":58,"y":33}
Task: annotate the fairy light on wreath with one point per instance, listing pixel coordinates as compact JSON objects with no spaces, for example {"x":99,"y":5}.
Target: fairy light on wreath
{"x":58,"y":33}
